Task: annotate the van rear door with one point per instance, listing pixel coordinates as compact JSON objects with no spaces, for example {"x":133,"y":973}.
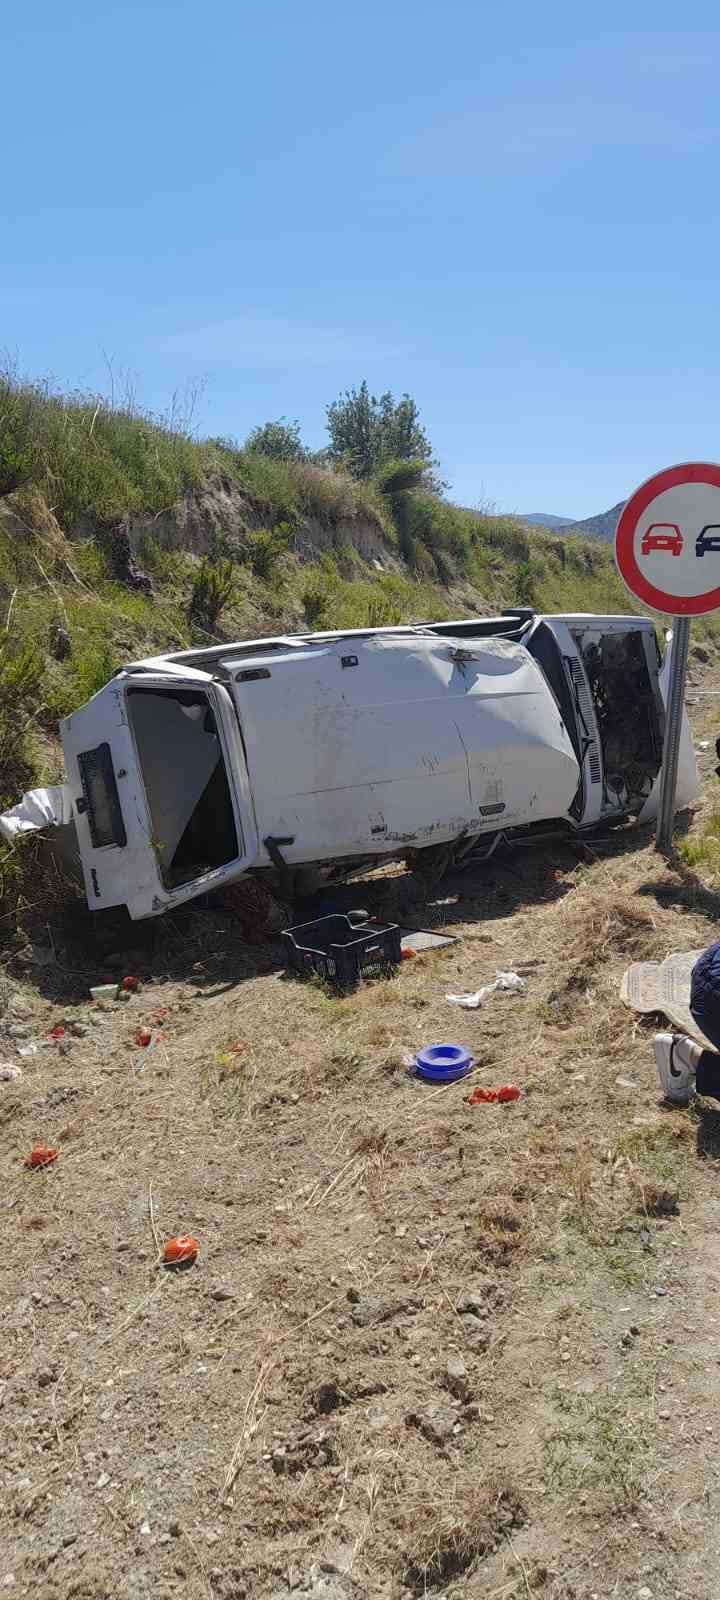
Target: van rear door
{"x":161,"y":800}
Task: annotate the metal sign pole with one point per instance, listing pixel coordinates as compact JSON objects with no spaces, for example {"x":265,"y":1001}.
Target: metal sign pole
{"x":673,"y":729}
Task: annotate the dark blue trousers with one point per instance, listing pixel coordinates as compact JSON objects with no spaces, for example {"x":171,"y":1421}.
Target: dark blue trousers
{"x":705,"y":1007}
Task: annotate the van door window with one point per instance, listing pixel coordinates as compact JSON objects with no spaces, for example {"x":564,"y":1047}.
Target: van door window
{"x":186,"y":782}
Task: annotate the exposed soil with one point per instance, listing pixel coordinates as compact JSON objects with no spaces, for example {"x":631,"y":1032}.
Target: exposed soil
{"x":425,"y":1348}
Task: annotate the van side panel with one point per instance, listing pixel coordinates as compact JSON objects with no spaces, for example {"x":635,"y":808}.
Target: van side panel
{"x":377,"y":744}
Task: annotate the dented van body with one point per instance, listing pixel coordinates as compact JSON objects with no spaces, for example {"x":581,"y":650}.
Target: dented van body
{"x":308,"y":757}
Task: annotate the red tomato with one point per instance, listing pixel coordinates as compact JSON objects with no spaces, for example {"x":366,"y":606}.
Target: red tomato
{"x":41,"y":1156}
{"x":183,"y":1248}
{"x":506,"y":1092}
{"x":143,"y":1036}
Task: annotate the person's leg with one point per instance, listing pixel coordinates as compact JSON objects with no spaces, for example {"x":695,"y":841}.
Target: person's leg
{"x":707,"y":1077}
{"x":684,"y":1068}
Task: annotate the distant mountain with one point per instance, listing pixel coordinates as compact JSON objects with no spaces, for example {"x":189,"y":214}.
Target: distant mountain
{"x":545,"y":519}
{"x":601,"y":527}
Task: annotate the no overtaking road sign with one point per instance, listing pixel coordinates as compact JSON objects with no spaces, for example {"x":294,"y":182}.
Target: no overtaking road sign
{"x":667,"y":549}
{"x":667,"y":544}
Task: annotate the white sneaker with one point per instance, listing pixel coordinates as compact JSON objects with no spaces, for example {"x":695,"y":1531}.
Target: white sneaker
{"x":676,"y":1059}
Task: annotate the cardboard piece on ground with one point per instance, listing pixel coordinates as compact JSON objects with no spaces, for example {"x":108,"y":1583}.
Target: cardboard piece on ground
{"x":664,"y":986}
{"x":421,"y":940}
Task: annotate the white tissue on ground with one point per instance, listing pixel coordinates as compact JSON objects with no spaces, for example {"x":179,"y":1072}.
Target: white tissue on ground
{"x":503,"y":980}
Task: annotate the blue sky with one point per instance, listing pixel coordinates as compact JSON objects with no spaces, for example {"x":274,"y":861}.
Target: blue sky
{"x":508,"y":209}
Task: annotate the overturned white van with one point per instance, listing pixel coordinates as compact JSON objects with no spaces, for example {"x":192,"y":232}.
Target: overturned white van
{"x":307,"y":757}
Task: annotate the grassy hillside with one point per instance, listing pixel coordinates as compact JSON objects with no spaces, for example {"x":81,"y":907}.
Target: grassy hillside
{"x":235,"y":544}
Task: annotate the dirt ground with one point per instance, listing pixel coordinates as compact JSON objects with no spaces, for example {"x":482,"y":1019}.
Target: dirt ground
{"x":426,"y":1347}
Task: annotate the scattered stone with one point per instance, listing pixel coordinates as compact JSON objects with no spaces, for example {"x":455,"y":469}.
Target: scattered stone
{"x":436,"y":1421}
{"x":46,"y":1375}
{"x":328,"y":1397}
{"x":297,"y":1455}
{"x":145,"y":1528}
{"x":474,"y":1413}
{"x":79,"y":1029}
{"x":475,"y":1303}
{"x":478,"y":1333}
{"x":9,"y":1072}
{"x":376,"y":1310}
{"x":18,"y":1030}
{"x":102,"y":1483}
{"x":658,"y":1202}
{"x":644,"y":1593}
{"x":174,"y":1529}
{"x":353,"y":1296}
{"x":455,"y":1378}
{"x":60,"y":1094}
{"x":223,"y":1292}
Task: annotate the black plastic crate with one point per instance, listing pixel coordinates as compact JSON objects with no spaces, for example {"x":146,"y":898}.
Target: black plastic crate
{"x":335,"y":950}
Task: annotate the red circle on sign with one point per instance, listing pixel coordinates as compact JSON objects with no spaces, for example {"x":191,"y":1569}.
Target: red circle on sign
{"x":676,"y":605}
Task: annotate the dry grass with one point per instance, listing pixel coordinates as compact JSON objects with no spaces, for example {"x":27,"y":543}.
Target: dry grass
{"x":501,"y":1229}
{"x":451,"y":1536}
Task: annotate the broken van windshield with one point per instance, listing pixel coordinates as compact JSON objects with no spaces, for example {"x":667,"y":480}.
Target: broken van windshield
{"x":186,"y":783}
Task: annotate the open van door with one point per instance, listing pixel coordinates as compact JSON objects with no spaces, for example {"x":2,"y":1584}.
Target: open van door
{"x":161,"y":800}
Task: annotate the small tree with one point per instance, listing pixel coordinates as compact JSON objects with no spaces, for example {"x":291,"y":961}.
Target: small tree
{"x":366,"y":431}
{"x":280,"y":440}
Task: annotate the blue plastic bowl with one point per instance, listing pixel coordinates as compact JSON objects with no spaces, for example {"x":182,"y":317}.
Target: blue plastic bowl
{"x":443,"y":1063}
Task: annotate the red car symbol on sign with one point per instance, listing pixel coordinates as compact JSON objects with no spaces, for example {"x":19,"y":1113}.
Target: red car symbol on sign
{"x":662,"y":536}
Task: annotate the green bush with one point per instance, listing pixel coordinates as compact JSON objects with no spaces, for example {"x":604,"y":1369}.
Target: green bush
{"x":213,"y":589}
{"x":524,"y":583}
{"x":314,"y":600}
{"x":264,"y":552}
